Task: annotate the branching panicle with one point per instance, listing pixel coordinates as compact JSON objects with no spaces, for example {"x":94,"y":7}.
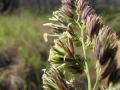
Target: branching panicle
{"x":63,"y":55}
{"x":77,"y":25}
{"x":102,"y":37}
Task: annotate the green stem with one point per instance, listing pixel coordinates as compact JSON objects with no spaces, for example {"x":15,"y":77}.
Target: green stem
{"x":84,"y":52}
{"x":88,"y":75}
{"x":97,"y":77}
{"x":96,"y":82}
{"x":86,"y":64}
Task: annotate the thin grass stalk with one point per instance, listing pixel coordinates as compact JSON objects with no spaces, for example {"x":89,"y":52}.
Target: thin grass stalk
{"x":85,"y":56}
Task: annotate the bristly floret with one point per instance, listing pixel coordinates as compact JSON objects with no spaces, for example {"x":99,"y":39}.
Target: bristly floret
{"x":73,"y":17}
{"x":102,"y":37}
{"x":63,"y":54}
{"x":54,"y":80}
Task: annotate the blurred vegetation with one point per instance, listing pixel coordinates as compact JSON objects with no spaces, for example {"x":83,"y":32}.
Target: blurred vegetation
{"x":24,"y":31}
{"x":36,"y":6}
{"x":111,"y":16}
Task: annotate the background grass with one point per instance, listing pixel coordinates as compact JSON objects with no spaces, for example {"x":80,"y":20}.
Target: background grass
{"x":25,"y":32}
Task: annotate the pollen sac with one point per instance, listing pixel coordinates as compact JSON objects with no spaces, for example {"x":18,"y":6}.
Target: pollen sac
{"x":93,"y":25}
{"x":77,"y":65}
{"x":81,"y":4}
{"x":105,"y":49}
{"x":67,"y":10}
{"x":86,"y":12}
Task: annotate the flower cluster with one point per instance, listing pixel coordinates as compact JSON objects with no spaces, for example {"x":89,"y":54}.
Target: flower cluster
{"x":77,"y":25}
{"x":102,"y":37}
{"x":55,"y":80}
{"x":67,"y":8}
{"x":84,"y":9}
{"x":63,"y":55}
